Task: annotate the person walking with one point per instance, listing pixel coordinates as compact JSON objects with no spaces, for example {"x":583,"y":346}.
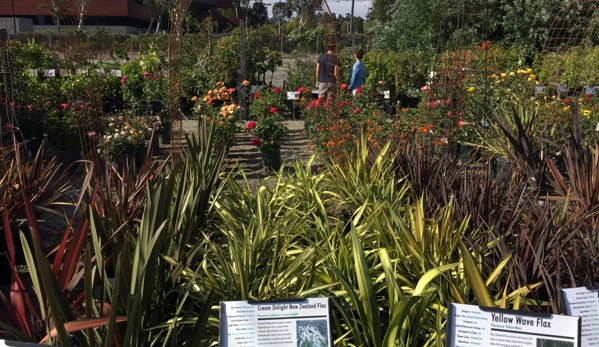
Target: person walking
{"x":358,"y":73}
{"x":327,"y":74}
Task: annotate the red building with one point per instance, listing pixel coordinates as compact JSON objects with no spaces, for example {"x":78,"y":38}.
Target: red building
{"x":113,"y":15}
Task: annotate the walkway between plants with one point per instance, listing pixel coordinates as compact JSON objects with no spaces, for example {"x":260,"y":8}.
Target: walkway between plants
{"x":244,"y":155}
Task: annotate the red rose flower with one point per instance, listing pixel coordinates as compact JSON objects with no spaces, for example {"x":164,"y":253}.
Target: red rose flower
{"x":256,"y":141}
{"x":276,"y":90}
{"x":300,"y":90}
{"x":359,"y":90}
{"x":65,"y":106}
{"x":8,"y":127}
{"x":343,"y":86}
{"x":567,"y":101}
{"x":255,"y":96}
{"x":251,"y":125}
{"x":273,"y":110}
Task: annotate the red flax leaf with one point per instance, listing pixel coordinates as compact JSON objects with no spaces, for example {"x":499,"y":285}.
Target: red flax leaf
{"x":83,"y":324}
{"x":16,"y":294}
{"x":30,"y":214}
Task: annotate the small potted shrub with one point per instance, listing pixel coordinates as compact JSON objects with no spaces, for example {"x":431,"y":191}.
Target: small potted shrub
{"x":267,"y":132}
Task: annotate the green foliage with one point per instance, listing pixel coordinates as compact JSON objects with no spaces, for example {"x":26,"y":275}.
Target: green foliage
{"x":301,"y":73}
{"x":125,"y":134}
{"x":268,"y":131}
{"x":218,"y":106}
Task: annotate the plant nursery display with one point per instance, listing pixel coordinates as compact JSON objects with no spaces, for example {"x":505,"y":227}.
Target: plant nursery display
{"x":488,"y":196}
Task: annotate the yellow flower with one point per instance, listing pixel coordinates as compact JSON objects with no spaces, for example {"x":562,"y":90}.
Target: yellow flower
{"x":232,"y":108}
{"x":529,"y":70}
{"x":493,"y":76}
{"x":532,"y":77}
{"x":586,"y":113}
{"x":503,"y":75}
{"x":512,"y":74}
{"x":471,"y":89}
{"x":508,"y":90}
{"x":567,"y":108}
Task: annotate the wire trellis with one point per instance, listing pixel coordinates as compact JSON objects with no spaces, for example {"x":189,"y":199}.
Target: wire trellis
{"x":459,"y":81}
{"x":572,"y":28}
{"x":86,"y":103}
{"x":174,"y":65}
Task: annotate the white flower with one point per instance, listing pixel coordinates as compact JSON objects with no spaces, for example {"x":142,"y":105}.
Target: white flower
{"x":123,"y":132}
{"x":117,"y":135}
{"x":111,"y":124}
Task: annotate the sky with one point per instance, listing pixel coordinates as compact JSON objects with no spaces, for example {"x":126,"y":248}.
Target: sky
{"x":337,"y":7}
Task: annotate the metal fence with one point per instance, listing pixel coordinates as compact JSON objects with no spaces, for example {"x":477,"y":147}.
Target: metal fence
{"x":102,"y":41}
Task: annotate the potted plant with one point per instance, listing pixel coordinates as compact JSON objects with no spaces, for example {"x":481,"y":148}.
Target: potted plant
{"x":218,"y":106}
{"x":267,"y":133}
{"x":125,"y":135}
{"x":62,"y":124}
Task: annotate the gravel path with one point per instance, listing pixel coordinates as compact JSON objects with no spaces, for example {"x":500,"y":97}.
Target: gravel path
{"x":243,"y":155}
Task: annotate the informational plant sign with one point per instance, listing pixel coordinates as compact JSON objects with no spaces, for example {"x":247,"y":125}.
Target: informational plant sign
{"x":562,"y":88}
{"x":276,"y":323}
{"x":584,"y":302}
{"x":470,"y":325}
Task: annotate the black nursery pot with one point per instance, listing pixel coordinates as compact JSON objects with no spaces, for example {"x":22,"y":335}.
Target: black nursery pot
{"x":271,"y":159}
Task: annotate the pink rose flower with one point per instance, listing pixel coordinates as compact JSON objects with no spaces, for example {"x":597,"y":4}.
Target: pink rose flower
{"x":65,"y":106}
{"x":273,"y":110}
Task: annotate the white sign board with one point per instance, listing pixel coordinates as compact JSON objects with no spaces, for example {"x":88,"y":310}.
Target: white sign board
{"x":540,"y":89}
{"x":49,"y":73}
{"x":584,"y":302}
{"x":471,"y":325}
{"x":277,"y":323}
{"x":292,"y":96}
{"x":590,"y":90}
{"x":562,"y":88}
{"x":387,"y":94}
{"x":6,"y":343}
{"x":116,"y":73}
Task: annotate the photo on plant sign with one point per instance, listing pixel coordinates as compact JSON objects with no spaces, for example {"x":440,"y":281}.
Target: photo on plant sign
{"x":554,"y":343}
{"x":312,"y":333}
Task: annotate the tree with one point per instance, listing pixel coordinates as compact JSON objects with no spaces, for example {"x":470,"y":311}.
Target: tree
{"x":58,"y":9}
{"x":258,"y":14}
{"x":414,"y":25}
{"x":281,"y":10}
{"x":81,"y":6}
{"x":381,"y":10}
{"x":305,"y":11}
{"x":155,"y":9}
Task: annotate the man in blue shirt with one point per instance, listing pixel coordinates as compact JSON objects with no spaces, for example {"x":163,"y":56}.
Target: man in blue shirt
{"x":358,"y":72}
